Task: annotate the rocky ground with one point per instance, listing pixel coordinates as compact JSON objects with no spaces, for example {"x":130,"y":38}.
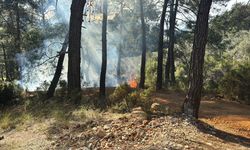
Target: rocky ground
{"x":138,"y":133}
{"x":222,"y":125}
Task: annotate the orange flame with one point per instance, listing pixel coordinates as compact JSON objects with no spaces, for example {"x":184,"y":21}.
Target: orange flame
{"x":133,"y":84}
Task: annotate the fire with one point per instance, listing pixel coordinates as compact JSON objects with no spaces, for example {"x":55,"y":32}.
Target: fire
{"x":133,"y":84}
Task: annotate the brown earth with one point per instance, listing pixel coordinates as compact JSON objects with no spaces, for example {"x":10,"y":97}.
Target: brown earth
{"x":224,"y":115}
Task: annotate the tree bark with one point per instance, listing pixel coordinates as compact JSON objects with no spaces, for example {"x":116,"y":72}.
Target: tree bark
{"x":119,"y":64}
{"x":170,"y":66}
{"x":104,"y":55}
{"x":59,"y":67}
{"x":6,"y":64}
{"x":192,"y":102}
{"x":74,"y":53}
{"x":144,"y":47}
{"x":14,"y":69}
{"x":160,"y":48}
{"x":18,"y":40}
{"x":120,"y":45}
{"x":18,"y":30}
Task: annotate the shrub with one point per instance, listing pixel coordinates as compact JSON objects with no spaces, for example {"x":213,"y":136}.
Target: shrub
{"x":62,"y":90}
{"x":119,"y":94}
{"x":236,"y":84}
{"x":9,"y":93}
{"x":181,"y":78}
{"x":124,"y":99}
{"x":121,"y":107}
{"x":151,"y":71}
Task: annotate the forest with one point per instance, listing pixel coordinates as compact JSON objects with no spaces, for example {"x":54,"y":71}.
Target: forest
{"x":124,"y":74}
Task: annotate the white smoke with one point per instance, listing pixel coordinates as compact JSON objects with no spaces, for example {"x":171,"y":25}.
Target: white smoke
{"x":33,"y":76}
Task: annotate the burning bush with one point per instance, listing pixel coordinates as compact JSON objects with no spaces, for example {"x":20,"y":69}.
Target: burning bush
{"x":133,"y":84}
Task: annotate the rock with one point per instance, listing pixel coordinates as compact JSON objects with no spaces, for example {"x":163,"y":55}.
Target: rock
{"x":100,"y":133}
{"x":94,"y":129}
{"x":157,"y":108}
{"x":85,"y":148}
{"x":137,"y":109}
{"x":139,"y":115}
{"x":106,"y":127}
{"x":108,"y":145}
{"x":124,"y":138}
{"x":109,"y":135}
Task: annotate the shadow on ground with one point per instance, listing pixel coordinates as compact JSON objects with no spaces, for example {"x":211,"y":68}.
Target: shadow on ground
{"x":208,"y":129}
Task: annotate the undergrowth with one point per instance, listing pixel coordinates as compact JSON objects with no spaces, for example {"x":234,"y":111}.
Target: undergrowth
{"x":124,"y":99}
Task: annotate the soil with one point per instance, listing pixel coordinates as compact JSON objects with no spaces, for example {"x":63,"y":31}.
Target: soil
{"x":228,"y":116}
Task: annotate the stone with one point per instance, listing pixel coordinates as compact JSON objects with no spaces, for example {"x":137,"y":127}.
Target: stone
{"x":124,"y":138}
{"x":137,"y":109}
{"x":139,"y":115}
{"x":100,"y":133}
{"x":109,"y":135}
{"x":157,"y":108}
{"x":106,"y":127}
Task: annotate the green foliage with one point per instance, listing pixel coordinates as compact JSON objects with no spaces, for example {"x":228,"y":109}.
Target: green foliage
{"x":44,"y":86}
{"x":239,"y":49}
{"x":222,"y":27}
{"x":234,"y":20}
{"x":151,"y":70}
{"x":182,"y":53}
{"x":227,"y":52}
{"x":84,"y":113}
{"x":236,"y":83}
{"x":32,"y":39}
{"x":139,"y":98}
{"x":63,"y":84}
{"x":124,"y":99}
{"x":62,"y":90}
{"x":119,"y":94}
{"x":181,"y":77}
{"x":9,"y":93}
{"x":235,"y":54}
{"x":120,"y":107}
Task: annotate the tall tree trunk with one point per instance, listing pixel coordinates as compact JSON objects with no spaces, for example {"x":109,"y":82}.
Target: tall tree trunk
{"x":118,"y":71}
{"x":192,"y":102}
{"x":14,"y":72}
{"x":6,"y":64}
{"x":160,"y":48}
{"x":120,"y":45}
{"x":59,"y":67}
{"x":170,"y":66}
{"x":144,"y":47}
{"x":167,"y":70}
{"x":74,"y":52}
{"x":18,"y":29}
{"x":104,"y":55}
{"x":18,"y":41}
